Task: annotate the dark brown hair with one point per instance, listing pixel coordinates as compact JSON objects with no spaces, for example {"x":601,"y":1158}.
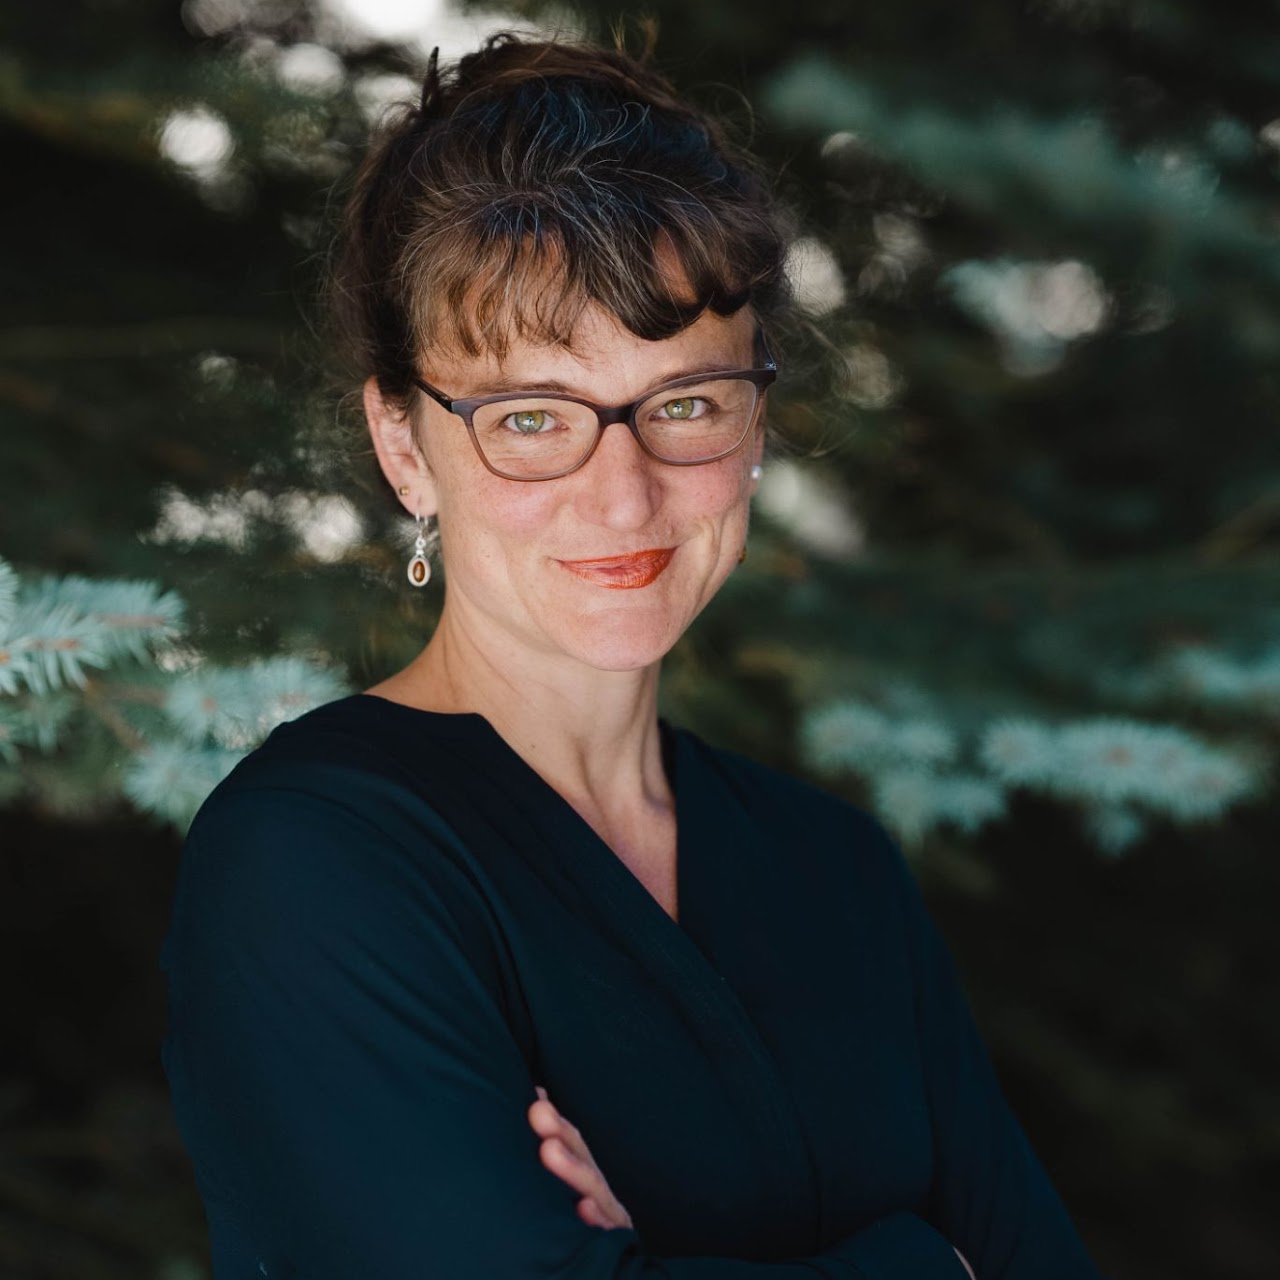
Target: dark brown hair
{"x":536,"y":177}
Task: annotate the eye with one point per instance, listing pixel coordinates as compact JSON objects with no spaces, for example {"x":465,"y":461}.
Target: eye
{"x":528,"y":422}
{"x":682,"y":408}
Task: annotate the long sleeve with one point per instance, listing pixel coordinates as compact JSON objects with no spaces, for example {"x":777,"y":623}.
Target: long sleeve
{"x":349,"y":1087}
{"x":991,"y":1196}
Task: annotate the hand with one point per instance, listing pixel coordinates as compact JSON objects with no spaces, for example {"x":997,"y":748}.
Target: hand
{"x":565,"y":1154}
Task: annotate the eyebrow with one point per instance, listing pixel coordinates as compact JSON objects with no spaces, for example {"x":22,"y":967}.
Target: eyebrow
{"x":551,"y":384}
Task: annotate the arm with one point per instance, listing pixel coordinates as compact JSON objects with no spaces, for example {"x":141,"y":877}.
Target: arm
{"x":565,"y":1152}
{"x":991,"y":1196}
{"x":342,"y":1069}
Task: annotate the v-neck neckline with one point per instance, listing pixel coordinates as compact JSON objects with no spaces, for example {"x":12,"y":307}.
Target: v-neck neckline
{"x":670,"y":741}
{"x":585,"y":869}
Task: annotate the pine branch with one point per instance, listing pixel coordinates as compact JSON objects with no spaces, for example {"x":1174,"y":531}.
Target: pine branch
{"x":1120,"y":774}
{"x":172,"y":736}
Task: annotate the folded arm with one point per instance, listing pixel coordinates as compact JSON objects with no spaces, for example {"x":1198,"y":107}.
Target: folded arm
{"x":991,"y":1196}
{"x":342,"y":1071}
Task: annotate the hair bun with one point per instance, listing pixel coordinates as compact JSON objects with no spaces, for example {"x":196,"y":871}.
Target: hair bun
{"x":430,"y":85}
{"x":523,"y":186}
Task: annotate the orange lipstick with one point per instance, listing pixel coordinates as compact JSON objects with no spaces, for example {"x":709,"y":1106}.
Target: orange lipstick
{"x":622,"y":572}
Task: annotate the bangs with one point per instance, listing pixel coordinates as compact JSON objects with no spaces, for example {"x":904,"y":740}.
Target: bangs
{"x":520,"y":271}
{"x":533,"y":183}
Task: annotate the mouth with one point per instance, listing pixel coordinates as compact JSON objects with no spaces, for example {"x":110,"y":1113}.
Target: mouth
{"x":623,"y":572}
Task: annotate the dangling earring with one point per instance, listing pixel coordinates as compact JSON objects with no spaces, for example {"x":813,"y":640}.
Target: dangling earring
{"x":419,"y":565}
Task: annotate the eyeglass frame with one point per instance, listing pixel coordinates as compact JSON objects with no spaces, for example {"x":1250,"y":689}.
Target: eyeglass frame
{"x":761,"y":377}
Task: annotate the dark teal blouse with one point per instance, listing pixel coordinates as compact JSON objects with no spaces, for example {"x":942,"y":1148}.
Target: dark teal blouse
{"x":388,"y":928}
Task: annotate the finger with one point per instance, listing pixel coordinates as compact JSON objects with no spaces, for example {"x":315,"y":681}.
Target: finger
{"x":598,"y":1204}
{"x":582,"y":1175}
{"x":557,"y":1157}
{"x":607,"y":1216}
{"x":549,"y":1123}
{"x":571,"y":1135}
{"x":544,"y":1118}
{"x":606,"y":1207}
{"x":552,"y":1128}
{"x":544,"y":1106}
{"x":568,"y":1168}
{"x":565,"y":1153}
{"x":591,"y":1213}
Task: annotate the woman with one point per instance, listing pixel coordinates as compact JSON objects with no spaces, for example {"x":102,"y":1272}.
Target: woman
{"x":489,"y":971}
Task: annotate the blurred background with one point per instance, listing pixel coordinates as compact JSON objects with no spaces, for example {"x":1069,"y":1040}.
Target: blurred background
{"x":1014,"y":588}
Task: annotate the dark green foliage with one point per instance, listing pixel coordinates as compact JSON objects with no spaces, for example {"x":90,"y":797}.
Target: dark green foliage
{"x":1046,"y":412}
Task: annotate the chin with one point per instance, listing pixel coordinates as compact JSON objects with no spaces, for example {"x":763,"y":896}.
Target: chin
{"x":620,"y":643}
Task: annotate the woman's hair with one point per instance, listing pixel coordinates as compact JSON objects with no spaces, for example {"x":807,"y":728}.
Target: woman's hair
{"x":534,"y":178}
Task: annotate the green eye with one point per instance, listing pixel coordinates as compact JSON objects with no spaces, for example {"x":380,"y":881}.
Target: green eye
{"x":680,"y":408}
{"x":530,"y":421}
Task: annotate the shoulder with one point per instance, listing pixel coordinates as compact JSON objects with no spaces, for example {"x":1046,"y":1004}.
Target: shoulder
{"x":323,"y":818}
{"x":346,"y":756}
{"x":343,"y":733}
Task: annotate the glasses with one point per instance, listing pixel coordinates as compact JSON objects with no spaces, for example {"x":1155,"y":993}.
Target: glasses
{"x":686,"y":422}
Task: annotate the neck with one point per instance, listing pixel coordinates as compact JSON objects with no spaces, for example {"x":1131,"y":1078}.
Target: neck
{"x":591,"y":734}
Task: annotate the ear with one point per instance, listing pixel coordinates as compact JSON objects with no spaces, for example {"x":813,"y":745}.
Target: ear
{"x":401,"y":462}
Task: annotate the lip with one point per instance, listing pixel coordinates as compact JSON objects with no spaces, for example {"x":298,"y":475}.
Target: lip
{"x":623,"y":572}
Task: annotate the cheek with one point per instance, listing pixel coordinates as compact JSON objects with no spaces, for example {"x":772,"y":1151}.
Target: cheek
{"x":480,"y":513}
{"x":720,"y":492}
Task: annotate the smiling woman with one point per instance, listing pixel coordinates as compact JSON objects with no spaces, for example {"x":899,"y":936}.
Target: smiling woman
{"x":490,"y":971}
{"x":507,"y":542}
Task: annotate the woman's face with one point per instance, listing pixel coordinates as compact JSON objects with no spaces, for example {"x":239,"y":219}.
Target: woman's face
{"x":504,"y":542}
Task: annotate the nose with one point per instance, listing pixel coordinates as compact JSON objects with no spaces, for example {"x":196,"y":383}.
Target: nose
{"x":620,"y":479}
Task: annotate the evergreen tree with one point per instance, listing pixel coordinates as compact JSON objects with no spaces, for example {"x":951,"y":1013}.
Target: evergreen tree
{"x":1014,"y":588}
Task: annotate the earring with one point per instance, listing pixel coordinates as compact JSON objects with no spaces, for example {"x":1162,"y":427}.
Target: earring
{"x":419,"y":565}
{"x":757,"y":471}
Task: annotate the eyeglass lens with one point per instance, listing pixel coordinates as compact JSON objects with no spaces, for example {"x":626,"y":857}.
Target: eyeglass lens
{"x":541,"y":435}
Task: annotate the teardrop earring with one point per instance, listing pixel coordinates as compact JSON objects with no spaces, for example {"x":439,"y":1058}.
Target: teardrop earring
{"x":419,"y":566}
